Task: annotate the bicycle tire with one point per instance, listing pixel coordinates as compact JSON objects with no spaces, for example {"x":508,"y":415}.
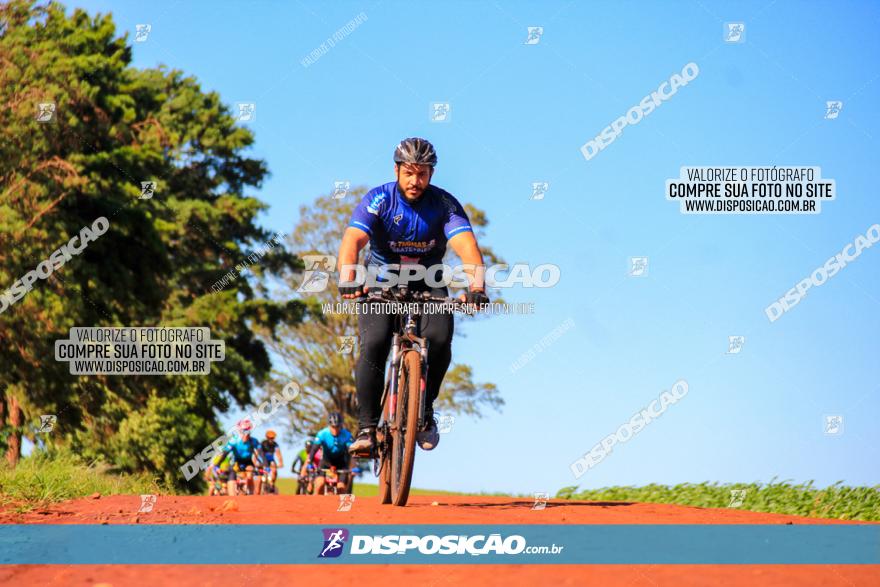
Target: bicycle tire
{"x":403,"y":434}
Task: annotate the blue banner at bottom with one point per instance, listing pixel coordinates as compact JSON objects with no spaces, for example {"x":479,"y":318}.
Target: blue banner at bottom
{"x":210,"y":544}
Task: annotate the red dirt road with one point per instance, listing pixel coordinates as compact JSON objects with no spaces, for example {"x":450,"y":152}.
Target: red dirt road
{"x":448,"y":509}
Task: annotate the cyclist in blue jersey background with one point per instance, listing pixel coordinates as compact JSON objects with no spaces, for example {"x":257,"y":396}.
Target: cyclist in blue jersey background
{"x":406,"y":221}
{"x":334,"y":441}
{"x":246,"y":454}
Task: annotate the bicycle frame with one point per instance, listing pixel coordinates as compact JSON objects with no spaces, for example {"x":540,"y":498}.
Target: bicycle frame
{"x":243,"y":486}
{"x":406,"y":338}
{"x":268,"y":486}
{"x":334,"y":476}
{"x":410,"y":339}
{"x":245,"y":480}
{"x":307,"y":480}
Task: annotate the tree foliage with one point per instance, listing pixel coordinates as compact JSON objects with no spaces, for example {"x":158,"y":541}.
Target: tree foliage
{"x":114,"y":127}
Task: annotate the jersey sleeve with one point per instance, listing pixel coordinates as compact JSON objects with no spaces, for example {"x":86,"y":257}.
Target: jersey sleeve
{"x":219,"y":457}
{"x":368,"y":213}
{"x":456,"y":220}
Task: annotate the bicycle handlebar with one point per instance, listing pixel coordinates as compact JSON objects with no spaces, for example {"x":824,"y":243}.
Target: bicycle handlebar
{"x":404,"y":295}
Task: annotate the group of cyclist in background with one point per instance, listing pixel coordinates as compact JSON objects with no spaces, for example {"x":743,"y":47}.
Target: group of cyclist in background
{"x":247,"y":465}
{"x":250,"y":467}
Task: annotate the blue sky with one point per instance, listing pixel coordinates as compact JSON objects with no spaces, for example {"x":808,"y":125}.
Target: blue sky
{"x":519,"y":115}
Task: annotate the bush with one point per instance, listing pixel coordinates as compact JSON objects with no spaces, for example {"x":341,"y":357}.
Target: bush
{"x":56,"y":475}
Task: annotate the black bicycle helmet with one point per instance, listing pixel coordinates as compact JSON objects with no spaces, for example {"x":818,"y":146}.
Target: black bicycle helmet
{"x":334,"y":419}
{"x":417,"y":151}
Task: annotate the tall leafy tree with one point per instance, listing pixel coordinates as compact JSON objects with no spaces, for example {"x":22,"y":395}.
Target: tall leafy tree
{"x":112,"y":127}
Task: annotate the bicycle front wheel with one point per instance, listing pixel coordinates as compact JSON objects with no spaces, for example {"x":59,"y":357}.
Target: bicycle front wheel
{"x":403,"y":444}
{"x":385,"y":462}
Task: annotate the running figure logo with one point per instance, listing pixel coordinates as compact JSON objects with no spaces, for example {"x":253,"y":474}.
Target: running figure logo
{"x":735,"y":344}
{"x":147,"y":503}
{"x":833,"y":425}
{"x":340,"y":189}
{"x":147,"y":190}
{"x":317,"y":273}
{"x":47,"y":422}
{"x":832,"y":109}
{"x":534,"y":37}
{"x":440,"y":112}
{"x":346,"y":500}
{"x":734,"y":32}
{"x":247,"y":111}
{"x":737,"y":496}
{"x":45,"y":111}
{"x":541,"y":498}
{"x":334,"y":539}
{"x":638,"y":266}
{"x":539,"y":188}
{"x":142,"y":31}
{"x":445,"y":423}
{"x":346,"y":344}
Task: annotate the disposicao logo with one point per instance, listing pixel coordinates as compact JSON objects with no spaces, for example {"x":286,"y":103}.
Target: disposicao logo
{"x":334,"y":540}
{"x":394,"y":544}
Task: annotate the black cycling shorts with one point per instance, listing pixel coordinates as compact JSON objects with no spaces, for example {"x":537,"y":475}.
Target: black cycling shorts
{"x":339,"y":461}
{"x":243,"y":465}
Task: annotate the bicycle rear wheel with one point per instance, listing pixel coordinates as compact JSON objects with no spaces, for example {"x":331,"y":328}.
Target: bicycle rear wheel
{"x":403,"y":434}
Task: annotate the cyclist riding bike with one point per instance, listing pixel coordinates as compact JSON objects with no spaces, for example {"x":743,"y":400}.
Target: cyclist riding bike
{"x":334,"y":442}
{"x":245,"y":455}
{"x":407,"y":221}
{"x":217,"y":473}
{"x":271,"y":450}
{"x":301,"y":458}
{"x":300,"y":465}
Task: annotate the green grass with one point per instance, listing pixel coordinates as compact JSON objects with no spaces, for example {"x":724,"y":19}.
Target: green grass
{"x":43,"y":478}
{"x":835,"y":501}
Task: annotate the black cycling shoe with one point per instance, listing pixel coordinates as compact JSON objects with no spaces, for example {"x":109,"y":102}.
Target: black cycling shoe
{"x":364,"y":443}
{"x":428,"y":437}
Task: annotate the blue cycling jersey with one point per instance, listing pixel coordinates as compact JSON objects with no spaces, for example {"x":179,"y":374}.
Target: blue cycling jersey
{"x":334,"y":445}
{"x":242,"y":451}
{"x":417,"y":230}
{"x":269,"y":447}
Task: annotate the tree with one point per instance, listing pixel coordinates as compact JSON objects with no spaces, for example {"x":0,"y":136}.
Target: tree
{"x":111,"y":128}
{"x":310,"y":352}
